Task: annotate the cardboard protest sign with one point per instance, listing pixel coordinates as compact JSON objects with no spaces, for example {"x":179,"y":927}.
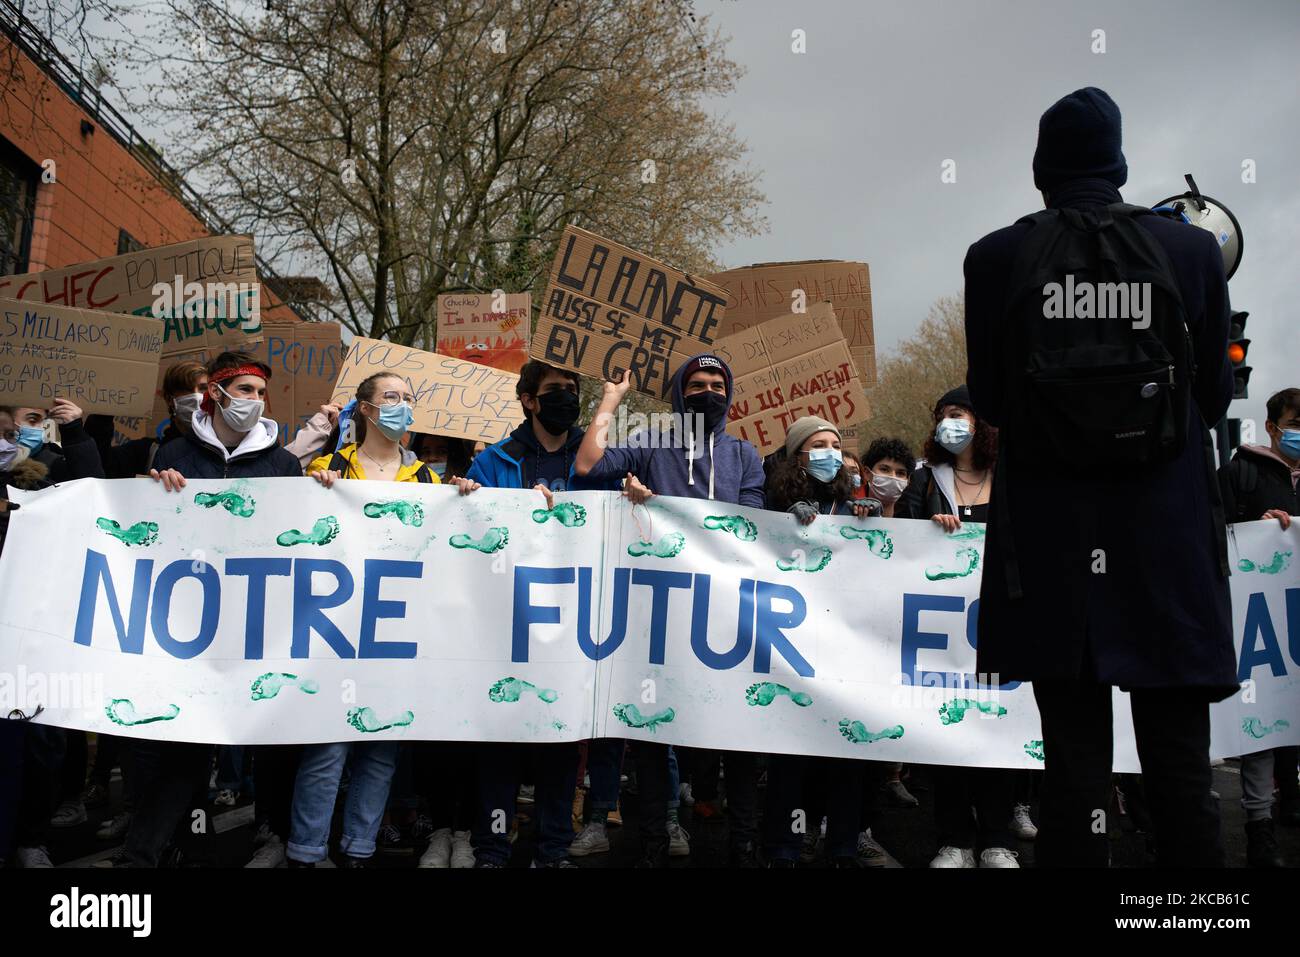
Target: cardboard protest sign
{"x":304,"y":358}
{"x":763,"y":291}
{"x":786,"y":368}
{"x":471,"y":327}
{"x":452,"y":397}
{"x":609,"y":308}
{"x":100,"y":361}
{"x":206,"y":290}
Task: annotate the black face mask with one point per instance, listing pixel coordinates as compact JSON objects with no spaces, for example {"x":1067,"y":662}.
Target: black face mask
{"x":711,"y":405}
{"x":559,"y":410}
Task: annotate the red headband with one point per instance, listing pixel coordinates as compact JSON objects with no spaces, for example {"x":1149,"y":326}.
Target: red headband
{"x":261,"y":372}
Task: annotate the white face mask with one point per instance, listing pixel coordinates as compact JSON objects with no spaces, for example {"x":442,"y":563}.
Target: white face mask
{"x":241,"y":414}
{"x":186,"y":405}
{"x":954,"y":434}
{"x":887,"y":488}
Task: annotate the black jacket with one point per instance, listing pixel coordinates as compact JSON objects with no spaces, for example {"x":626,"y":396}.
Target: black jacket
{"x":130,"y":458}
{"x":77,"y":457}
{"x":1158,"y":615}
{"x":195,"y":459}
{"x":1253,"y":483}
{"x":30,"y":474}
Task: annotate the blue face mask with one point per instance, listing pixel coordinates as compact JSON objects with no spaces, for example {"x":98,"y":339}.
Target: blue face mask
{"x":394,"y":420}
{"x":438,"y":468}
{"x":825,"y":464}
{"x":1289,"y":443}
{"x":856,"y":480}
{"x":31,"y":438}
{"x":954,"y":435}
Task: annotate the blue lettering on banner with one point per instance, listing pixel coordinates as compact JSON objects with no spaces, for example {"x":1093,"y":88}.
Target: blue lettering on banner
{"x":257,"y":570}
{"x":373,"y":608}
{"x":1259,"y":630}
{"x":914,"y":640}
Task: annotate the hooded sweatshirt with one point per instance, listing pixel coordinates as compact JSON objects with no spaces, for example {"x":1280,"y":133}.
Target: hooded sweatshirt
{"x":516,"y":461}
{"x":719,"y":466}
{"x":202,"y":455}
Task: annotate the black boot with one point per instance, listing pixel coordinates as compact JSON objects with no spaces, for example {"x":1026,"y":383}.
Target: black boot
{"x":1261,"y":845}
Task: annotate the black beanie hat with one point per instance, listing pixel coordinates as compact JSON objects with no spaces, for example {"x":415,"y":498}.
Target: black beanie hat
{"x":1079,"y":137}
{"x":958,"y":396}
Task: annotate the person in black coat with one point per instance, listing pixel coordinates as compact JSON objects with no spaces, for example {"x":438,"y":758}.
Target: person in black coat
{"x":76,"y":457}
{"x":1123,"y":576}
{"x":184,"y":386}
{"x":1261,"y":483}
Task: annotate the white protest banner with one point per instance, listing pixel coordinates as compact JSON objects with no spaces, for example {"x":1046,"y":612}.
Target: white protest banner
{"x":452,"y":397}
{"x":277,"y":611}
{"x":205,"y":290}
{"x":100,"y":361}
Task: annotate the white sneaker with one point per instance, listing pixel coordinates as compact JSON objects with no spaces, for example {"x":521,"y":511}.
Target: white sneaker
{"x":685,"y":794}
{"x":263,"y":834}
{"x":954,"y":857}
{"x":438,"y":853}
{"x":270,"y":854}
{"x":115,"y":827}
{"x":593,"y":840}
{"x":999,"y":857}
{"x":34,"y":857}
{"x":1022,"y":824}
{"x":226,"y":798}
{"x":679,"y":842}
{"x":871,"y":854}
{"x":462,"y":851}
{"x":69,"y":814}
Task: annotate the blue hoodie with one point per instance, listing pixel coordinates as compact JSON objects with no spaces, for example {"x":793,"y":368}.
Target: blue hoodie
{"x":501,"y":465}
{"x":728,"y":466}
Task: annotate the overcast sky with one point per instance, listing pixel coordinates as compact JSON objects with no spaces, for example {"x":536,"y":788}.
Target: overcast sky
{"x":851,"y":135}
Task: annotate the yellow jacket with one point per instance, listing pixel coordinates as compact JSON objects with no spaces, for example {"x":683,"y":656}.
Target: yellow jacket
{"x":351,"y":465}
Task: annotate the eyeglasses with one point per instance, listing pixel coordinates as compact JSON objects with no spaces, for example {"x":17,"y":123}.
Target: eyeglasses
{"x":393,"y":398}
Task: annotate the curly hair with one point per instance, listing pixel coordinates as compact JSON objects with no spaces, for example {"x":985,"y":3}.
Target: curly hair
{"x":984,"y":447}
{"x":788,"y":483}
{"x":895,"y":449}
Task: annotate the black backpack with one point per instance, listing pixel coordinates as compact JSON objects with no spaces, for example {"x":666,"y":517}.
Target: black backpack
{"x":1085,"y":390}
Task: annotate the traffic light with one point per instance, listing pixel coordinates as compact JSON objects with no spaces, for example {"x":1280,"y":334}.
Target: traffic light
{"x":1237,"y":346}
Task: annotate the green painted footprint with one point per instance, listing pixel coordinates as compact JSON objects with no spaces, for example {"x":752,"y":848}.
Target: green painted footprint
{"x":813,"y":561}
{"x":670,"y":546}
{"x":122,"y":711}
{"x":1257,"y":728}
{"x":568,"y":514}
{"x":967,"y":532}
{"x":493,"y":540}
{"x":1279,"y":563}
{"x":763,"y":693}
{"x":510,"y":689}
{"x":408,"y":513}
{"x":856,"y":732}
{"x":322,"y":533}
{"x":231,"y":501}
{"x":878,"y":541}
{"x":141,"y":533}
{"x":1034,"y":749}
{"x":365,"y":719}
{"x":737,"y":525}
{"x":968,"y":559}
{"x":267,"y":686}
{"x":955,"y":710}
{"x":631,"y":716}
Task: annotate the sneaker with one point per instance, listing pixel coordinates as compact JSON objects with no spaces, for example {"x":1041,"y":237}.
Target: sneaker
{"x":96,"y":796}
{"x":527,"y":794}
{"x":115,"y":827}
{"x":69,"y":814}
{"x":263,"y":834}
{"x":679,"y":842}
{"x":34,"y":857}
{"x":593,"y":840}
{"x":422,"y":829}
{"x":1261,"y":845}
{"x":389,"y":838}
{"x":438,"y":853}
{"x":896,"y":794}
{"x":614,"y":818}
{"x":269,"y":855}
{"x":954,"y":857}
{"x":119,"y":859}
{"x":871,"y":854}
{"x":226,"y":798}
{"x":1022,"y":825}
{"x":462,"y":851}
{"x":685,"y":794}
{"x":998,"y":857}
{"x":562,"y":862}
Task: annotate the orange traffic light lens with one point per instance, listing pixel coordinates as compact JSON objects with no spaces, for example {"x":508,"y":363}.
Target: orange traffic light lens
{"x":1236,"y":353}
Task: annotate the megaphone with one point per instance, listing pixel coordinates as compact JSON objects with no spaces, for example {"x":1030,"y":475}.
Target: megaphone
{"x":1208,"y":213}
